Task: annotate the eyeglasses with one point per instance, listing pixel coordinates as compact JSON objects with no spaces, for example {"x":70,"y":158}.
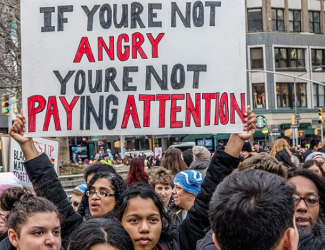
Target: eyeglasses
{"x":75,"y":204}
{"x":100,"y":194}
{"x":310,"y":200}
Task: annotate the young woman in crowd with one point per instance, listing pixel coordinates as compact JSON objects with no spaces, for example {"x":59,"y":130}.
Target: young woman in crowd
{"x":246,"y":151}
{"x":187,"y":157}
{"x":315,"y":167}
{"x":279,"y":145}
{"x":317,"y":156}
{"x":310,"y":201}
{"x":137,"y":173}
{"x":33,"y":222}
{"x":173,"y":161}
{"x":162,"y":182}
{"x":100,"y":234}
{"x":100,"y":195}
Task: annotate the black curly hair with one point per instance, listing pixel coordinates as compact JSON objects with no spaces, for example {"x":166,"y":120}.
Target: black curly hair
{"x":117,"y":183}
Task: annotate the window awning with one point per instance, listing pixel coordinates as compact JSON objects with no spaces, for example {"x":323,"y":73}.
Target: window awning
{"x":189,"y":138}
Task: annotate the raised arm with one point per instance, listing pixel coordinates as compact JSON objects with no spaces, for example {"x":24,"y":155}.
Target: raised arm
{"x":222,"y":164}
{"x":45,"y":180}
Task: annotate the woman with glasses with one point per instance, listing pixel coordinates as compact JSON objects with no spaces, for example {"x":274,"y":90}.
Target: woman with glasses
{"x":100,"y":196}
{"x":309,"y":200}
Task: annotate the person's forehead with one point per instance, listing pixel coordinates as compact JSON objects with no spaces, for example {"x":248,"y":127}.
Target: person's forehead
{"x":102,"y":183}
{"x":141,"y":207}
{"x":303,"y":185}
{"x":159,"y":185}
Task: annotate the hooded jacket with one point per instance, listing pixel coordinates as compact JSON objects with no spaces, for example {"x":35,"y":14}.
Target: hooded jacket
{"x":46,"y":184}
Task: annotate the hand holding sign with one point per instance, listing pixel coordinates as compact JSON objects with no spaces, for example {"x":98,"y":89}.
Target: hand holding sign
{"x":250,"y":119}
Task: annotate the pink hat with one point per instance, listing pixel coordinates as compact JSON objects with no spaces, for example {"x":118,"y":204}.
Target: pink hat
{"x":8,"y":180}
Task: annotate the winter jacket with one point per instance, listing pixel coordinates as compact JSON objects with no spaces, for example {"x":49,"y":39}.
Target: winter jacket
{"x":193,"y":227}
{"x":201,"y":166}
{"x":207,"y":242}
{"x":46,"y":184}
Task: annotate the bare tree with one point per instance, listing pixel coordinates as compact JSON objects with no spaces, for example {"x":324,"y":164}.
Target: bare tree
{"x":10,"y":47}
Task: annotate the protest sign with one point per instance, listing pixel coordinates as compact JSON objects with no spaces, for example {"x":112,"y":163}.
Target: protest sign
{"x":5,"y":141}
{"x":158,"y":153}
{"x":16,"y":157}
{"x":121,"y":67}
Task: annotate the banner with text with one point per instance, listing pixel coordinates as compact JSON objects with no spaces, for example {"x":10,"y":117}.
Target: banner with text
{"x":146,"y":67}
{"x":17,"y":159}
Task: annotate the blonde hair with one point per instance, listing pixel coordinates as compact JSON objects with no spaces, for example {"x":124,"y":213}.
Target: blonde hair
{"x":279,"y":145}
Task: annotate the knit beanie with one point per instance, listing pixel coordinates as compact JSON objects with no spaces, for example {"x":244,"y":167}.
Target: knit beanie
{"x":201,"y":153}
{"x":81,"y":188}
{"x":315,"y":155}
{"x":189,"y":180}
{"x":247,"y":147}
{"x":8,"y":180}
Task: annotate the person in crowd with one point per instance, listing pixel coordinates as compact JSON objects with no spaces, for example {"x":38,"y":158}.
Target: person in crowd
{"x":90,"y":171}
{"x":202,"y":159}
{"x":143,"y":156}
{"x":109,"y":153}
{"x":157,"y":163}
{"x":162,"y":182}
{"x":33,"y":222}
{"x":279,"y":145}
{"x":243,"y":208}
{"x":126,"y":162}
{"x":115,"y":157}
{"x":285,"y":158}
{"x":149,"y":161}
{"x":106,"y":160}
{"x":7,"y":180}
{"x":262,"y":161}
{"x":318,"y":156}
{"x":187,"y":184}
{"x":100,"y":234}
{"x":315,"y":144}
{"x":77,"y":194}
{"x":188,"y":157}
{"x":257,"y":148}
{"x":75,"y":156}
{"x":173,"y":161}
{"x":246,"y":151}
{"x":137,"y":173}
{"x":100,"y":195}
{"x":309,"y":201}
{"x":221,"y":145}
{"x":315,"y":167}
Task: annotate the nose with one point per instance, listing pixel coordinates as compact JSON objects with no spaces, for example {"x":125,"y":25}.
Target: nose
{"x":174,"y":190}
{"x":50,"y":240}
{"x":301,"y":207}
{"x":144,"y":227}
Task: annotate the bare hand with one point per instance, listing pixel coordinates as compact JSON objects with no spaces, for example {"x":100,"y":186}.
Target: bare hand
{"x":249,"y":126}
{"x":18,"y":129}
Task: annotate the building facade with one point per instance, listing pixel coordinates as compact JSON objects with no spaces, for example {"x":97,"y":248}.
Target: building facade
{"x":288,"y":37}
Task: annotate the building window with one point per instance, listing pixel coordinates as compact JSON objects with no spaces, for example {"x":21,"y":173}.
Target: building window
{"x":295,"y":20}
{"x":314,"y":22}
{"x":255,"y":22}
{"x":285,"y":94}
{"x":258,"y":95}
{"x":317,"y":58}
{"x":257,"y":58}
{"x":319,"y":95}
{"x":278,"y":19}
{"x":286,"y":58}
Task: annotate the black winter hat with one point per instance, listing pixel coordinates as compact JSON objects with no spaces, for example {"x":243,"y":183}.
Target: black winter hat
{"x":247,"y":147}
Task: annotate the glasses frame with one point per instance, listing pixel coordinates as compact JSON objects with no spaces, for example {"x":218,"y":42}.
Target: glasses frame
{"x":303,"y":198}
{"x":99,"y":196}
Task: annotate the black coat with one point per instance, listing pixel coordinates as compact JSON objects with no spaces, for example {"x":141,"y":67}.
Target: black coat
{"x":193,"y":227}
{"x":206,"y":243}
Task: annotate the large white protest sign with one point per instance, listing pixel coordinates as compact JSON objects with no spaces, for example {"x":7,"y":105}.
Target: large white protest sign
{"x":122,"y":67}
{"x":16,"y":157}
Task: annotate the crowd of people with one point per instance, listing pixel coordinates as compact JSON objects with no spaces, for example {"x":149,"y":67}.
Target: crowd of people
{"x":238,"y":197}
